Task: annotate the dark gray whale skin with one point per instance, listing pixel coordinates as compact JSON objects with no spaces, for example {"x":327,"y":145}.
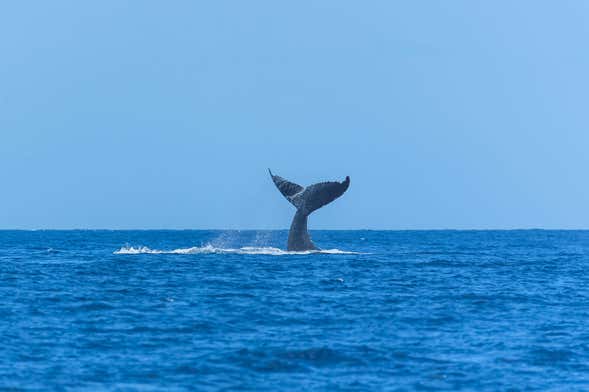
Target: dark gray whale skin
{"x":306,"y":200}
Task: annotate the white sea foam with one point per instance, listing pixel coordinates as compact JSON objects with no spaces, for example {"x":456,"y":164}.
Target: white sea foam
{"x":208,"y":249}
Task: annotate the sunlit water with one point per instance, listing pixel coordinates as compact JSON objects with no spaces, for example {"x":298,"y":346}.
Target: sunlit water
{"x":209,"y":310}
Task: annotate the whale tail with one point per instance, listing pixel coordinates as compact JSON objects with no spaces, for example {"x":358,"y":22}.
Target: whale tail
{"x":306,"y":200}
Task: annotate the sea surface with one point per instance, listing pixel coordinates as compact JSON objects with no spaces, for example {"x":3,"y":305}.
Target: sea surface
{"x":230,"y":310}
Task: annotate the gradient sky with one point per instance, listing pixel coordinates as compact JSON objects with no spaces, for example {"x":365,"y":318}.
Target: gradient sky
{"x":151,"y":114}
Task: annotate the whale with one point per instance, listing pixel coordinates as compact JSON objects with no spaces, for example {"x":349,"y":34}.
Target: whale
{"x":306,"y":200}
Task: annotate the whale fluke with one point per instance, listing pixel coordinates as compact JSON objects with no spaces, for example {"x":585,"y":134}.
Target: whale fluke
{"x":287,"y":188}
{"x":306,"y":200}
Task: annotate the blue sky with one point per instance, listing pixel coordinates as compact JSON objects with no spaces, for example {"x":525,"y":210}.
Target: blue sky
{"x":449,"y":114}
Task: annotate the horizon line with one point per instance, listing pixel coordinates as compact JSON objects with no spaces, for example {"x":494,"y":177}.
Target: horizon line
{"x":286,"y":229}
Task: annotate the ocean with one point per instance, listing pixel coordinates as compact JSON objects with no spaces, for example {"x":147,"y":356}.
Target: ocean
{"x":230,"y":310}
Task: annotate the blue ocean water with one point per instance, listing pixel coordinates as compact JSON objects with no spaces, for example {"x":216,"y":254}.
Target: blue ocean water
{"x":214,"y":310}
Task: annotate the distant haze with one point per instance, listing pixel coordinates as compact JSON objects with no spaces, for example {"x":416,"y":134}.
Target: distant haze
{"x":449,"y":114}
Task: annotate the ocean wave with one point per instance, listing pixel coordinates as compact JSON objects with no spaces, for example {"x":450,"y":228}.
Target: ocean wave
{"x":208,"y":249}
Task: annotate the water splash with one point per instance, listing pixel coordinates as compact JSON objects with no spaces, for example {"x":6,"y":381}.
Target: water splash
{"x":210,"y":249}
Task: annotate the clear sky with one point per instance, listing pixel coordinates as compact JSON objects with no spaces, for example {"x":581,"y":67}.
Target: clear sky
{"x":152,"y":114}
